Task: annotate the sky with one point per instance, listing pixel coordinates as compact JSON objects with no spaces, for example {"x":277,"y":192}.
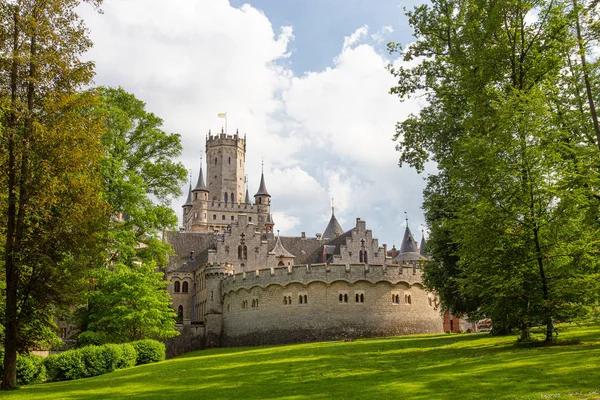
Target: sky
{"x":305,"y":80}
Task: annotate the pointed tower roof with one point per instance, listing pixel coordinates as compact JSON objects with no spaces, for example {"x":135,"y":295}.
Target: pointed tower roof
{"x":262,"y":189}
{"x":333,"y":228}
{"x":247,"y":200}
{"x":188,"y":202}
{"x":408,"y":242}
{"x":201,"y":185}
{"x":280,"y":251}
{"x":422,"y":245}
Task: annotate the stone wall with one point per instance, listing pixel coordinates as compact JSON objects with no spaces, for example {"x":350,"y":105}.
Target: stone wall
{"x":310,"y":303}
{"x":191,"y":337}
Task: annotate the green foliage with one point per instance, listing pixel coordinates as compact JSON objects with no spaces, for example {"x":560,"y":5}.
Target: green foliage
{"x":90,"y":361}
{"x":149,"y":351}
{"x":30,"y":368}
{"x":130,"y":303}
{"x":128,"y":300}
{"x":513,"y":208}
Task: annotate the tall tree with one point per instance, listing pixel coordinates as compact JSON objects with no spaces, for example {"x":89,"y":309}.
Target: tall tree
{"x":522,"y":248}
{"x":140,"y":175}
{"x":50,"y":152}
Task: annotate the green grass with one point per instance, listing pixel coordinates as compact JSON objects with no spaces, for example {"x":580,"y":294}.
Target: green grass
{"x":458,"y":366}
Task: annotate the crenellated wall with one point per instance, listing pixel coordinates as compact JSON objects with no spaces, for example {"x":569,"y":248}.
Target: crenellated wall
{"x":320,"y":302}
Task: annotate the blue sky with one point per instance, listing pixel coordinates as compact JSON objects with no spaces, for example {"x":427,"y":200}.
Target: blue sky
{"x":305,"y":80}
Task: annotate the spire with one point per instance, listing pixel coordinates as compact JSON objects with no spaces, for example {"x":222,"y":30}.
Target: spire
{"x":201,"y":185}
{"x":188,"y":202}
{"x":333,"y":228}
{"x":408,"y":242}
{"x":262,"y":189}
{"x":279,"y":250}
{"x":423,"y":243}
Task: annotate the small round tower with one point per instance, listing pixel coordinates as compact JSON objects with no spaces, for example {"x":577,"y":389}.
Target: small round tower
{"x":200,"y":204}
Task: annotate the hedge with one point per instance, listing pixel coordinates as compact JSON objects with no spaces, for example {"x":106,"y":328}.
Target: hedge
{"x":149,"y":351}
{"x":30,"y":369}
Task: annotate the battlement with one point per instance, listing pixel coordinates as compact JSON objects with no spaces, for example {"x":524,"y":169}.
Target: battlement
{"x":325,"y":273}
{"x":223,"y":139}
{"x":216,"y":204}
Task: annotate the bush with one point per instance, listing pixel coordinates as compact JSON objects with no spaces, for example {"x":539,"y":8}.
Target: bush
{"x":92,"y":338}
{"x":30,"y":369}
{"x":97,"y":360}
{"x":149,"y":351}
{"x":65,"y":366}
{"x":128,"y":357}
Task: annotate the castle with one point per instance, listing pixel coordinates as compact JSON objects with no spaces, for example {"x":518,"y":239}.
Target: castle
{"x":235,"y":282}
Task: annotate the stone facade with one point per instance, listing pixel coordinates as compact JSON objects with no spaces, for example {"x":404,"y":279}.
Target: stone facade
{"x":245,"y":286}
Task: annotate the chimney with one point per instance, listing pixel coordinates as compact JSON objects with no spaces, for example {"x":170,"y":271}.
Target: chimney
{"x":393,"y":252}
{"x":303,"y":235}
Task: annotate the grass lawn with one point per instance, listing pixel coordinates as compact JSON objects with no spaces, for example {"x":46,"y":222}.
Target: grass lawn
{"x":458,"y":366}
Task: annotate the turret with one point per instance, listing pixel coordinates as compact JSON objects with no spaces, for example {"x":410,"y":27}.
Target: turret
{"x":262,"y":200}
{"x":187,"y":208}
{"x":333,"y":228}
{"x":200,"y":194}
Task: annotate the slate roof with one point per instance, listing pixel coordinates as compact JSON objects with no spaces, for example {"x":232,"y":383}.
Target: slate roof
{"x":333,"y":228}
{"x":262,"y":189}
{"x":201,"y":185}
{"x":247,"y":200}
{"x":188,"y":202}
{"x":280,"y":251}
{"x":303,"y":249}
{"x":422,"y":247}
{"x":408,"y":250}
{"x":184,"y":243}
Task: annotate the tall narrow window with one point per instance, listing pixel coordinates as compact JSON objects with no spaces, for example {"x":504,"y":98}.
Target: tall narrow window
{"x":177,"y":286}
{"x":245,"y":252}
{"x":232,"y":198}
{"x":229,"y":160}
{"x":215,"y":160}
{"x":300,"y":299}
{"x":225,"y":195}
{"x":360,"y":258}
{"x":184,"y":287}
{"x":366,"y":260}
{"x":180,"y":313}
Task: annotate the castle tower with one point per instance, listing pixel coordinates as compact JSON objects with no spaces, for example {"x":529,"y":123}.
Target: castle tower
{"x":187,"y":208}
{"x":225,"y":167}
{"x":333,"y":228}
{"x":262,"y":200}
{"x":199,"y":216}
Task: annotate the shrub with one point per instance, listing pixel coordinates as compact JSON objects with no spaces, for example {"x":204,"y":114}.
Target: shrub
{"x":129,"y":356}
{"x":65,"y":366}
{"x":149,"y":351}
{"x":88,"y":338}
{"x":30,"y":369}
{"x":96,"y":360}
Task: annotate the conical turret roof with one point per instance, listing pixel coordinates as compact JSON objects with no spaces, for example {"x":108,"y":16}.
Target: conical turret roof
{"x":262,"y":189}
{"x":188,"y":202}
{"x":247,"y":200}
{"x":408,"y":242}
{"x":333,"y":229}
{"x":422,"y":246}
{"x":280,"y":251}
{"x":201,"y":185}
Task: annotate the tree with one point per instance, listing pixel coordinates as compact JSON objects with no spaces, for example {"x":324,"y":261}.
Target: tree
{"x":49,"y":181}
{"x":517,"y":223}
{"x":128,"y":300}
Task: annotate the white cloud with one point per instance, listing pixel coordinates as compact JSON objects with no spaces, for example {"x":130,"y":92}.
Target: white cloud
{"x":323,"y":134}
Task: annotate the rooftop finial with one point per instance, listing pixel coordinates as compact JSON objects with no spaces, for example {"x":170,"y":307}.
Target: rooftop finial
{"x":262,"y":164}
{"x":190,"y":175}
{"x":332,"y":207}
{"x":406,"y":217}
{"x":277,"y":232}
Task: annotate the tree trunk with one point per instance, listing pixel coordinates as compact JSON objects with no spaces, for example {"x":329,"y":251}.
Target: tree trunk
{"x":9,"y":379}
{"x":586,"y":78}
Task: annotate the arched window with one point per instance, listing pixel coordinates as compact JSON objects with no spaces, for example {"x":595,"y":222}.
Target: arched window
{"x":232,"y":218}
{"x":357,"y":297}
{"x":409,"y":299}
{"x":215,"y":160}
{"x":259,"y":200}
{"x":341,"y":297}
{"x":229,"y":160}
{"x":240,"y":251}
{"x":232,"y":198}
{"x":360,"y":259}
{"x":397,"y":299}
{"x":280,"y":264}
{"x":285,"y":300}
{"x":214,"y":216}
{"x":177,"y":287}
{"x":180,"y":313}
{"x":184,"y":287}
{"x":300,"y":299}
{"x":305,"y":299}
{"x":225,"y":195}
{"x":366,"y":260}
{"x":362,"y":298}
{"x":346,"y":298}
{"x":245,"y":252}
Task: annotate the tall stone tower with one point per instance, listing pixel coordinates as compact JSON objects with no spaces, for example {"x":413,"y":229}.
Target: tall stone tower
{"x":225,"y":158}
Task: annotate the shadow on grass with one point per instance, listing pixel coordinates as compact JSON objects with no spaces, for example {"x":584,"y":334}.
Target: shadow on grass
{"x":443,"y":366}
